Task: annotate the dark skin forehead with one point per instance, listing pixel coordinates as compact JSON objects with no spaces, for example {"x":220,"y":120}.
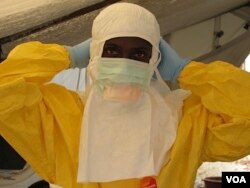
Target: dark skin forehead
{"x":128,"y":47}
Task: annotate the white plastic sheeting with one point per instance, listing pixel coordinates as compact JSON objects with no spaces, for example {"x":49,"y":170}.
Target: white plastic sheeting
{"x":172,"y":15}
{"x":16,"y":15}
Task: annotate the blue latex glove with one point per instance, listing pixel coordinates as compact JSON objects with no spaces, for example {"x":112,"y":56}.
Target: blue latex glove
{"x":170,"y":66}
{"x":171,"y":63}
{"x":80,"y":54}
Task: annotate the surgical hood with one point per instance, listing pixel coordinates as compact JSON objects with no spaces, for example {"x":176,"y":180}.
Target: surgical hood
{"x":124,"y":20}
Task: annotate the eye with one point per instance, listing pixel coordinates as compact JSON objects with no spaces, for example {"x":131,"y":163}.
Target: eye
{"x":141,"y":55}
{"x":110,"y":52}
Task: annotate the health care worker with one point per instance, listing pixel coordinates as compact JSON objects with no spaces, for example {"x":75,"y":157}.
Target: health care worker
{"x":128,"y":125}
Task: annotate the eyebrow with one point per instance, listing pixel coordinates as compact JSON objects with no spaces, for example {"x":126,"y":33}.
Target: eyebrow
{"x":135,"y":48}
{"x":143,"y":48}
{"x":111,"y":45}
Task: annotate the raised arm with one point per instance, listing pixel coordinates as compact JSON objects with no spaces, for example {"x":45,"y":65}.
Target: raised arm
{"x":40,"y":121}
{"x":35,"y":62}
{"x":222,"y":93}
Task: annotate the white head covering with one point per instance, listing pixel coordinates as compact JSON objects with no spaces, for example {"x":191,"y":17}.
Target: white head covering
{"x":126,"y":140}
{"x":125,"y":20}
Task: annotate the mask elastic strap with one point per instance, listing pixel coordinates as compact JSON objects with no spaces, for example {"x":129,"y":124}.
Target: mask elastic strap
{"x":162,"y":86}
{"x":159,"y":83}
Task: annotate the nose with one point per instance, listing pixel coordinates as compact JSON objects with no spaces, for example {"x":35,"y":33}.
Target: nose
{"x":126,"y":54}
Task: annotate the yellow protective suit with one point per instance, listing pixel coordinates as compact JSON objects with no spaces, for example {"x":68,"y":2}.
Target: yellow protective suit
{"x":42,"y":121}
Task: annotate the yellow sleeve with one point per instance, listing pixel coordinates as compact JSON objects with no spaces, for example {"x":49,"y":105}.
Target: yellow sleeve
{"x":20,"y":122}
{"x":35,"y":62}
{"x":25,"y":119}
{"x":42,"y":123}
{"x":224,"y":90}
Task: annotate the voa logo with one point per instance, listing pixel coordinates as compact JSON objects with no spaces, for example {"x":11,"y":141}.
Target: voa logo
{"x":236,"y":179}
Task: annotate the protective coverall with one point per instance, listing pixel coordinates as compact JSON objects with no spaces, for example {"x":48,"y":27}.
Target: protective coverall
{"x":42,"y":120}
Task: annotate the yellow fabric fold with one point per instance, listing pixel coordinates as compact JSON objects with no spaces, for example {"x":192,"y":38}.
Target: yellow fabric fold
{"x":35,"y":62}
{"x":222,"y":87}
{"x":42,"y":121}
{"x":224,"y":91}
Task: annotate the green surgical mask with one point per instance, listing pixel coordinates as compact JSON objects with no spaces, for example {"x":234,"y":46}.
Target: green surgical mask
{"x":123,"y":71}
{"x":122,"y":79}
